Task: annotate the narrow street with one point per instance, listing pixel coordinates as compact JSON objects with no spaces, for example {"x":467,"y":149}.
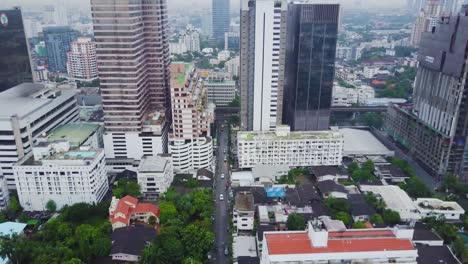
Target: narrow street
{"x":222,"y":212}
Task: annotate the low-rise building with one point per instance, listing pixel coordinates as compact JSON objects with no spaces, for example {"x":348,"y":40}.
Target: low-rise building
{"x":335,"y":173}
{"x":244,"y":212}
{"x":395,"y":199}
{"x":224,"y":55}
{"x":283,"y":147}
{"x":361,"y":142}
{"x":343,"y":96}
{"x":177,"y":48}
{"x":155,"y":175}
{"x":129,"y":242}
{"x":330,"y":188}
{"x":321,"y":244}
{"x":360,"y":209}
{"x":370,"y":72}
{"x":126,"y":209}
{"x":61,"y":173}
{"x":244,"y":246}
{"x":390,"y":173}
{"x":438,"y":208}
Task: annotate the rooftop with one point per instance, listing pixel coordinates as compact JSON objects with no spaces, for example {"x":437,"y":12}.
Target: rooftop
{"x":435,"y":255}
{"x":30,"y":96}
{"x":329,"y":186}
{"x":180,"y":71}
{"x":131,"y":239}
{"x":244,"y":201}
{"x":283,"y":243}
{"x":268,"y":135}
{"x":244,"y":246}
{"x":152,"y":164}
{"x":76,"y":133}
{"x":362,"y":142}
{"x":438,"y":205}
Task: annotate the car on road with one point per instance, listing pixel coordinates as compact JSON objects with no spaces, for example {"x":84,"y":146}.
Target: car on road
{"x":222,"y":175}
{"x":225,"y":159}
{"x":221,"y":197}
{"x":226,"y":250}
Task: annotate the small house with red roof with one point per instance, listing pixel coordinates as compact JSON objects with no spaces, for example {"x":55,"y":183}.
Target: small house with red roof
{"x":126,"y":209}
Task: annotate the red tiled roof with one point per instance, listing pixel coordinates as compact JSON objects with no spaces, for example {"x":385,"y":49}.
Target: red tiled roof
{"x":122,"y":208}
{"x":145,"y":208}
{"x":299,"y":243}
{"x":119,"y":219}
{"x":129,"y":199}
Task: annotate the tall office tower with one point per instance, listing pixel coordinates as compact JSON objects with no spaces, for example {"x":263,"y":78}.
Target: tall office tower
{"x":190,"y":142}
{"x":15,"y":63}
{"x":435,"y":128}
{"x":81,"y":63}
{"x":262,"y":55}
{"x":450,"y":7}
{"x":58,"y":43}
{"x":133,"y":62}
{"x":312,"y":32}
{"x":206,"y":22}
{"x":425,"y":21}
{"x":221,"y":19}
{"x":48,"y":16}
{"x":61,"y":13}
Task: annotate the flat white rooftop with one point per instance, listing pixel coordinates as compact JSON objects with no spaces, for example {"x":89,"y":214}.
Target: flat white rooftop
{"x":244,"y":246}
{"x":358,"y":142}
{"x":152,"y":164}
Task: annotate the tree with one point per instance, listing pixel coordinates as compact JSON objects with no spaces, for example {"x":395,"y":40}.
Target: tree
{"x":91,"y":242}
{"x":235,"y":102}
{"x":376,"y":202}
{"x":343,"y":216}
{"x":458,"y":248}
{"x":197,"y":241}
{"x":371,"y":119}
{"x":152,"y":220}
{"x":126,"y":187}
{"x":416,"y":188}
{"x":73,"y":261}
{"x":15,"y":206}
{"x":359,"y":225}
{"x":51,"y":206}
{"x":17,"y":249}
{"x":449,"y":182}
{"x":376,"y":219}
{"x":335,"y":205}
{"x":391,"y":217}
{"x":295,"y":222}
{"x":352,"y":167}
{"x":167,"y":210}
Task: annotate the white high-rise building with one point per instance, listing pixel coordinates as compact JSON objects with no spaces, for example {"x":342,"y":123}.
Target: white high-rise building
{"x":26,"y":112}
{"x":261,"y":72}
{"x":282,"y":147}
{"x":191,"y":39}
{"x":81,"y":63}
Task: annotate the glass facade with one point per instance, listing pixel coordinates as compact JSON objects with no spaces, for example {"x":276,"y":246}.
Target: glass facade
{"x":15,"y":65}
{"x":58,"y":43}
{"x":221,"y":19}
{"x":310,"y":65}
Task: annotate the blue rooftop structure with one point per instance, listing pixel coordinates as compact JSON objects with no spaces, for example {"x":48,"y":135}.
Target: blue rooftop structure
{"x":8,"y":229}
{"x":275,"y":192}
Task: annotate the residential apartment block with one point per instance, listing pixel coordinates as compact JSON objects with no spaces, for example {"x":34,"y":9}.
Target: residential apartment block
{"x":81,"y":64}
{"x":190,"y":141}
{"x":191,"y":39}
{"x":61,"y":173}
{"x":282,"y":147}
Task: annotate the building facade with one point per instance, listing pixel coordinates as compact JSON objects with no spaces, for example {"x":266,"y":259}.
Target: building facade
{"x":263,"y":40}
{"x":81,"y":63}
{"x":191,"y":39}
{"x":435,"y":127}
{"x":58,"y":43}
{"x":15,"y":65}
{"x":312,"y":33}
{"x":56,"y":171}
{"x":282,"y":147}
{"x":133,"y":64}
{"x":155,"y":175}
{"x":220,"y":11}
{"x":27,"y":112}
{"x":221,"y":90}
{"x":232,"y":66}
{"x":190,"y":141}
{"x":425,"y":21}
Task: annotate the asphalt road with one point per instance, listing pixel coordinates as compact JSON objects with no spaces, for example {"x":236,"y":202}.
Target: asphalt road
{"x":222,"y":214}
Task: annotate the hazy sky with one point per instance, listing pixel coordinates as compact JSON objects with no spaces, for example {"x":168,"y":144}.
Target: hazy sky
{"x":365,"y":4}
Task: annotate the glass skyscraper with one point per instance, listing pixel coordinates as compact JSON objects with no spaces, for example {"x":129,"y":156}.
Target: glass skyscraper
{"x":221,"y":20}
{"x":312,"y":31}
{"x":58,"y":43}
{"x":15,"y":64}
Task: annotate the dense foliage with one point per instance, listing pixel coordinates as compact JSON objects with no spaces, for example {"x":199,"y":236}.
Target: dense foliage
{"x":295,"y":222}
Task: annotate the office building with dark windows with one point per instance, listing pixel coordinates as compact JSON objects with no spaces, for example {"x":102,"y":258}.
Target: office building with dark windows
{"x":58,"y":43}
{"x":311,"y":38}
{"x":15,"y":64}
{"x":435,"y":127}
{"x":220,"y":19}
{"x":132,"y":53}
